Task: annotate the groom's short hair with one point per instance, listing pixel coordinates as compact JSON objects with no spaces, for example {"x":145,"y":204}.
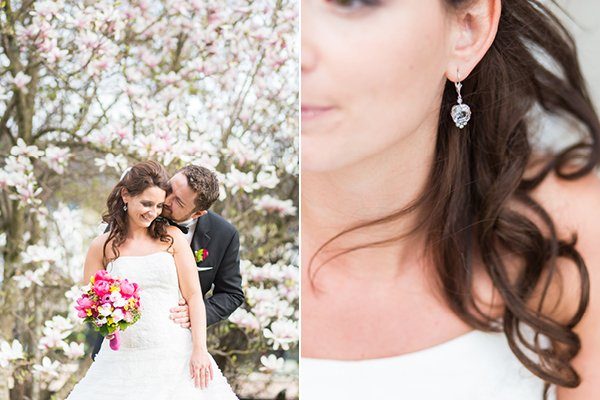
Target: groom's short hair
{"x":204,"y":183}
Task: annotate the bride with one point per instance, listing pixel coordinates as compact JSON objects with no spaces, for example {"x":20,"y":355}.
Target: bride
{"x":157,"y":359}
{"x":447,"y":251}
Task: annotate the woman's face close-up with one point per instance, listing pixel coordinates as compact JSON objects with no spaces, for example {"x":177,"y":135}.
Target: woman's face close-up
{"x":373,"y":73}
{"x":145,"y":207}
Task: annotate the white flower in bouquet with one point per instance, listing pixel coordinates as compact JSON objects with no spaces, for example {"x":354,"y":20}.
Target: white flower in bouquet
{"x":117,"y":299}
{"x":118,"y":315}
{"x":105,"y":310}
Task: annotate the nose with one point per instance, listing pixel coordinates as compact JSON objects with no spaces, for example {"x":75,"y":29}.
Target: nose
{"x":308,"y":51}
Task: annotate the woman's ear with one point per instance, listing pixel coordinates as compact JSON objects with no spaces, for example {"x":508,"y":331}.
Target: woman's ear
{"x":125,"y":195}
{"x":474,"y":30}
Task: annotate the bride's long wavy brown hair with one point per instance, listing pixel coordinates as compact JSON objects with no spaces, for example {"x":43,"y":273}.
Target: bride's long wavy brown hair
{"x":532,"y":64}
{"x":140,"y":177}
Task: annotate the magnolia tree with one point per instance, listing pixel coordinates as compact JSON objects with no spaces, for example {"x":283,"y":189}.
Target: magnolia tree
{"x":90,"y":87}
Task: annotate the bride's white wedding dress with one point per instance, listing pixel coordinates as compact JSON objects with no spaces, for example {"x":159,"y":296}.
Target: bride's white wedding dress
{"x":474,"y":366}
{"x":153,"y":361}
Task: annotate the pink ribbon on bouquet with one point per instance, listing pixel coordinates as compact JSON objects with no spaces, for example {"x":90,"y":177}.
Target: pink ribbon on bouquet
{"x":115,"y":340}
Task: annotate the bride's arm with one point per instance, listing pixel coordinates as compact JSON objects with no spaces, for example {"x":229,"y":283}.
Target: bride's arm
{"x":93,"y":259}
{"x":200,"y":367}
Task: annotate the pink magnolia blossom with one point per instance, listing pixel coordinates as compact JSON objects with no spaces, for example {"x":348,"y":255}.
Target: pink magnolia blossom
{"x":21,"y":80}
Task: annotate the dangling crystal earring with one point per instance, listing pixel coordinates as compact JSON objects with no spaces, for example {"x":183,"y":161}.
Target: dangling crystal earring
{"x":461,"y":113}
{"x":125,"y":207}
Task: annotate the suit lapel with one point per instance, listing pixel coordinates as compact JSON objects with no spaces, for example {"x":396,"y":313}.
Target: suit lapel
{"x":201,"y":237}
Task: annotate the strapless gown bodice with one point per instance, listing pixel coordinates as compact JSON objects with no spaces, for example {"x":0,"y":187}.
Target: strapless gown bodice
{"x":153,"y":359}
{"x":474,"y":366}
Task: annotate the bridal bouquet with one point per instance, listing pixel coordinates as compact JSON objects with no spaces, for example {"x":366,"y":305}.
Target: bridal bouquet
{"x":110,"y":304}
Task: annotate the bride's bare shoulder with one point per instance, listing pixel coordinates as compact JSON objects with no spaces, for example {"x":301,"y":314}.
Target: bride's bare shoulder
{"x":97,"y":246}
{"x":574,"y":206}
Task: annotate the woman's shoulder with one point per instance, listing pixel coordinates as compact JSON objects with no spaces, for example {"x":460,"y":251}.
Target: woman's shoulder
{"x":175,"y":232}
{"x":96,"y":249}
{"x":177,"y":235}
{"x":99,"y":241}
{"x":574,"y":206}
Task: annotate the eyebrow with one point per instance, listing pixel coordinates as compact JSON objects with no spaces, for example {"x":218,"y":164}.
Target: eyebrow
{"x":151,"y":202}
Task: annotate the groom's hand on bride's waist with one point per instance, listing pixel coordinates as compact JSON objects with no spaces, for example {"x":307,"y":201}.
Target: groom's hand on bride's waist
{"x":181,"y":314}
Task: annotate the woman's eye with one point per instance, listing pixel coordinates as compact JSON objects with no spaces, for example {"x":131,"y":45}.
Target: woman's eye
{"x":352,"y":4}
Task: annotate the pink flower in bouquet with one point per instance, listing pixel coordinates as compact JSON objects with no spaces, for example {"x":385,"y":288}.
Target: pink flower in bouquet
{"x":84,"y":303}
{"x":81,"y":313}
{"x":128,"y":317}
{"x":110,"y":305}
{"x":103,"y":275}
{"x":101,"y":287}
{"x":128,"y":289}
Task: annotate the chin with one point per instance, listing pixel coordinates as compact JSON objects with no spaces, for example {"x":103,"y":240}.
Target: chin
{"x":144,"y":223}
{"x":318,"y":161}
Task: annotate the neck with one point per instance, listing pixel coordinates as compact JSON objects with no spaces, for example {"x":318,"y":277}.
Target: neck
{"x":374,"y":188}
{"x":135,"y":232}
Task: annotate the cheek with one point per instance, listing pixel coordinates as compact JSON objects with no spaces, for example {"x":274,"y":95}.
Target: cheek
{"x":396,"y":81}
{"x":142,"y":209}
{"x":386,"y":77}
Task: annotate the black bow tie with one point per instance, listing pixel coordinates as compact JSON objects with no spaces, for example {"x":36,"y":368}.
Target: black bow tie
{"x":183,"y":229}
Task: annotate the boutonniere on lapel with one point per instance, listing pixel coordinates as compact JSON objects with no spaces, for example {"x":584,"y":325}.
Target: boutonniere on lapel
{"x":201,"y":255}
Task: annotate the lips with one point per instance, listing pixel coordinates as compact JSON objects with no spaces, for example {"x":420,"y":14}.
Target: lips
{"x":311,"y":112}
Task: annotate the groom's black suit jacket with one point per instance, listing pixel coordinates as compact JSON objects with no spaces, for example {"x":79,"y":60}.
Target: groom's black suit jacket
{"x":219,"y":271}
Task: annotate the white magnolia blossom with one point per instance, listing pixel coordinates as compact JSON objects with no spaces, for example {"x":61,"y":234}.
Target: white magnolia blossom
{"x":55,"y":332}
{"x":56,"y":158}
{"x":40,"y":255}
{"x":267,"y":178}
{"x":10,"y":352}
{"x":22,"y":149}
{"x":29,"y":278}
{"x":270,"y":204}
{"x":117,"y":162}
{"x":256,"y":294}
{"x":47,"y":370}
{"x":244,"y":319}
{"x":282,"y":334}
{"x":238,"y":180}
{"x":21,"y":80}
{"x":73,"y":350}
{"x":60,"y":323}
{"x":272,"y":363}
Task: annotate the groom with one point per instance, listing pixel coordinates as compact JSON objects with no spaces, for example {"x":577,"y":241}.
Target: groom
{"x":214,"y":242}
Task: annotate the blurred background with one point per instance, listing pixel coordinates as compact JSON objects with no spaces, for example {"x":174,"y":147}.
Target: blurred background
{"x":88,"y":88}
{"x":584,"y":24}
